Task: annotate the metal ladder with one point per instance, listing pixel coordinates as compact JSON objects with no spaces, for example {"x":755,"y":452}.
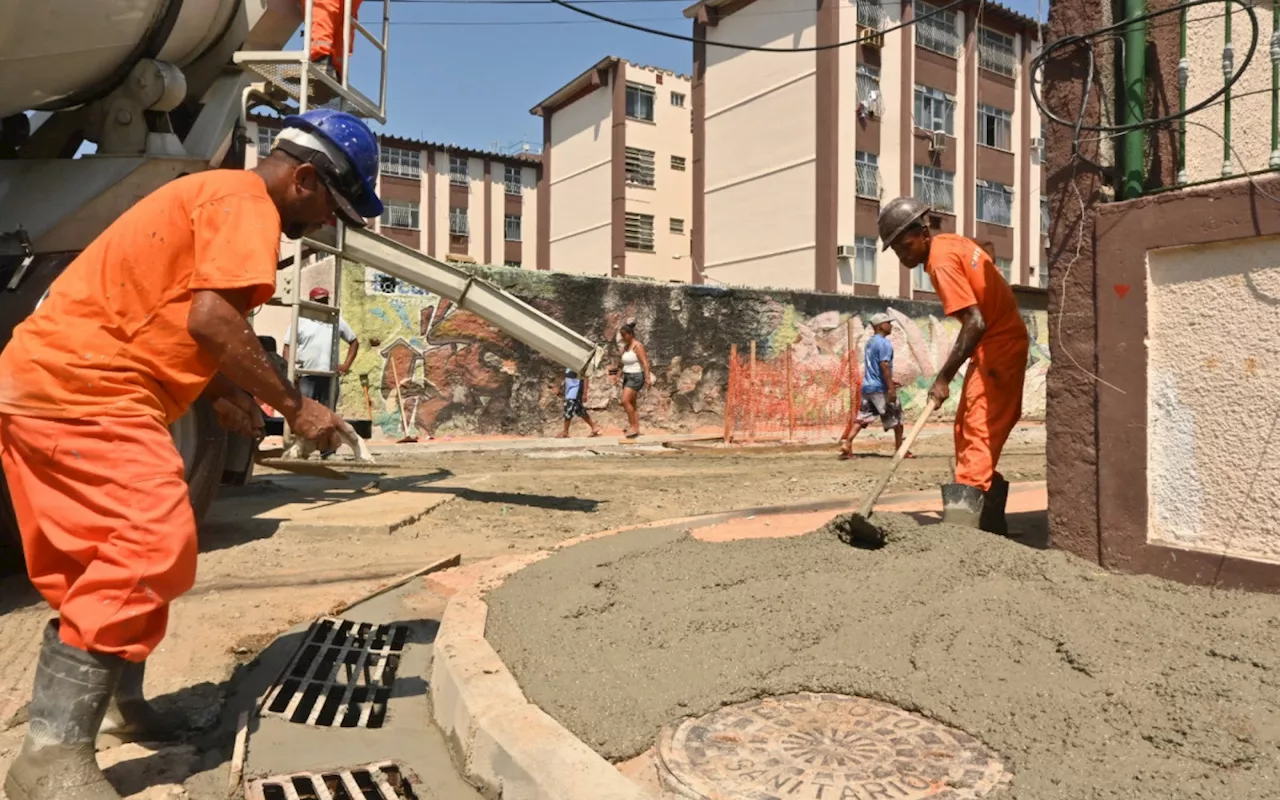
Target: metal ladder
{"x":288,"y":78}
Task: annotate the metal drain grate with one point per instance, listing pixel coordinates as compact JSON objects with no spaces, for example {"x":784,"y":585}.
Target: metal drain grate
{"x":384,"y":781}
{"x":341,"y":676}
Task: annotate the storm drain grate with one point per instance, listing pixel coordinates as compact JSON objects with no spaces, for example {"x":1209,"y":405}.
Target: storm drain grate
{"x":384,"y":781}
{"x":341,"y":676}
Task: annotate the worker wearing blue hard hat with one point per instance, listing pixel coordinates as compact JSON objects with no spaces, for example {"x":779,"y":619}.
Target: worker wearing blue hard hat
{"x":148,"y":319}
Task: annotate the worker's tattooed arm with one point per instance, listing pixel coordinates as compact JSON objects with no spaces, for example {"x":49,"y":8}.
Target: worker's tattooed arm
{"x":972,"y":326}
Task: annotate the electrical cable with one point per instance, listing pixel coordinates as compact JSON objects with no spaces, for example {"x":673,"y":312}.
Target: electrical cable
{"x":761,"y":49}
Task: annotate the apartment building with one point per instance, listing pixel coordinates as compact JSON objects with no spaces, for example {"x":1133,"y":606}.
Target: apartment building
{"x":794,"y":152}
{"x":616,"y":186}
{"x":450,"y":202}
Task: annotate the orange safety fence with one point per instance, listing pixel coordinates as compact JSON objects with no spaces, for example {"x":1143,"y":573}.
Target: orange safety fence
{"x":783,"y":398}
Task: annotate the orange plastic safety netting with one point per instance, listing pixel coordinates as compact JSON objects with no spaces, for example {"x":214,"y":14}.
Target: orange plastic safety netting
{"x":784,"y":398}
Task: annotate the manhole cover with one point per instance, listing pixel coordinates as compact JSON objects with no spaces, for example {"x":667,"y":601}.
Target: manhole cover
{"x":384,"y":781}
{"x":341,"y":675}
{"x":823,"y":747}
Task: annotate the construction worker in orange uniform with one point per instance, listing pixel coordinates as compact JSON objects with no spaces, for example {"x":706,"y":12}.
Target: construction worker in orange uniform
{"x":993,"y":339}
{"x":150,"y":317}
{"x":327,"y":26}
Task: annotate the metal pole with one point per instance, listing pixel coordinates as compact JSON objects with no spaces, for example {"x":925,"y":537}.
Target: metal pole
{"x":386,"y":45}
{"x":1228,"y":67}
{"x":1184,"y":72}
{"x":729,"y":392}
{"x":751,"y":402}
{"x":304,"y":66}
{"x":347,"y":45}
{"x":1274,"y":163}
{"x":1135,"y":87}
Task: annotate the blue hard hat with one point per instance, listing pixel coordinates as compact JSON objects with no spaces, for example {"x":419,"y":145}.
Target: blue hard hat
{"x":352,"y":184}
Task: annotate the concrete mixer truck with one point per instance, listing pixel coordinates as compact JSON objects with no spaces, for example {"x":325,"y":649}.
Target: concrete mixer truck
{"x":162,"y":88}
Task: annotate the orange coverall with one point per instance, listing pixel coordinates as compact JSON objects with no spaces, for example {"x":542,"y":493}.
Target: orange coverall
{"x":964,"y":275}
{"x":89,"y":384}
{"x":326,"y":30}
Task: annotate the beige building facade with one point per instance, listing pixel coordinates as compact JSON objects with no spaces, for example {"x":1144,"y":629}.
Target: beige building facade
{"x":794,"y":152}
{"x":616,"y":180}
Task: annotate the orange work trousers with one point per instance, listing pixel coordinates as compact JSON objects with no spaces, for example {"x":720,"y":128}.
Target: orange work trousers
{"x":326,"y":30}
{"x":106,"y":522}
{"x":990,"y":405}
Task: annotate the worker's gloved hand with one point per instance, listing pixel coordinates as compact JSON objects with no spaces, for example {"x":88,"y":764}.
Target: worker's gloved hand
{"x":238,"y":414}
{"x":316,"y":423}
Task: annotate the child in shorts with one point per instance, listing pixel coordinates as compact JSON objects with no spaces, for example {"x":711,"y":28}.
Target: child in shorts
{"x":575,"y":393}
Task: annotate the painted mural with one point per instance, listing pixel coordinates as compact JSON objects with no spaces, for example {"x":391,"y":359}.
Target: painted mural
{"x":426,"y":367}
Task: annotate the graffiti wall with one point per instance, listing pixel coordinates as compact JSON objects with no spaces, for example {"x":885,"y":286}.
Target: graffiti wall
{"x":429,"y":367}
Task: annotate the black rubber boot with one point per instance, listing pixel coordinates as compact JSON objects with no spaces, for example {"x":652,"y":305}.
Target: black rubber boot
{"x":961,"y":504}
{"x":70,"y":697}
{"x":130,"y":718}
{"x":993,"y":503}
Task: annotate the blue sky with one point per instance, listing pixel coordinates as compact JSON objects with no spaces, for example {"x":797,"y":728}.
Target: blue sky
{"x":468,"y":71}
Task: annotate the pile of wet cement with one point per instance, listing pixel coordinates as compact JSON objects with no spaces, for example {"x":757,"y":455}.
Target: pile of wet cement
{"x":1090,"y":684}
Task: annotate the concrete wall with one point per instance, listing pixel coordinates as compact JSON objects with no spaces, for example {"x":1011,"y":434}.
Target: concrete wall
{"x":581,"y":138}
{"x":1213,"y":336}
{"x":466,"y":377}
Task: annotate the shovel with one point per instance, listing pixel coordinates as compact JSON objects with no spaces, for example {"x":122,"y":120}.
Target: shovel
{"x":861,"y":530}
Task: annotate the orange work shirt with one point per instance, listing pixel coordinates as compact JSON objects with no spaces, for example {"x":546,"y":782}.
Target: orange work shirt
{"x":964,"y":275}
{"x":111,"y":339}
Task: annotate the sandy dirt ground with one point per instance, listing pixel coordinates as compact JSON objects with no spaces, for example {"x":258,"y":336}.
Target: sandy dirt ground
{"x":258,"y":579}
{"x":1089,"y":684}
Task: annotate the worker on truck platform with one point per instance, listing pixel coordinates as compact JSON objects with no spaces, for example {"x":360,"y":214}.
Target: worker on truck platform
{"x":993,"y":339}
{"x":150,"y":317}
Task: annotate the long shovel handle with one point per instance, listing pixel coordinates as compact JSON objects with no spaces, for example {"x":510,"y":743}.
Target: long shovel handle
{"x":929,"y":408}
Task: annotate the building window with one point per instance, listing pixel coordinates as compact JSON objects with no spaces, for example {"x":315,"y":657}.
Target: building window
{"x":935,"y":187}
{"x":864,"y":260}
{"x":382,"y":283}
{"x":458,"y":171}
{"x":677,"y":99}
{"x":639,"y":233}
{"x":870,"y":15}
{"x":935,"y":110}
{"x":640,"y":102}
{"x":266,"y":137}
{"x":511,"y":179}
{"x":995,"y":127}
{"x":1042,"y":277}
{"x":513,"y":227}
{"x":869,"y":88}
{"x":995,"y":203}
{"x":458,"y":225}
{"x":511,"y":263}
{"x":1044,"y":216}
{"x":400,"y":214}
{"x":677,"y":163}
{"x":640,"y":171}
{"x":996,"y":53}
{"x":1005,"y":265}
{"x":936,"y":30}
{"x":677,"y":226}
{"x":920,"y":280}
{"x":868,"y":167}
{"x":400,"y":162}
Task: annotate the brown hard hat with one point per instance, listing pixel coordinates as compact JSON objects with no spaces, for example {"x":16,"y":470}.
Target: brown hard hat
{"x":898,"y":215}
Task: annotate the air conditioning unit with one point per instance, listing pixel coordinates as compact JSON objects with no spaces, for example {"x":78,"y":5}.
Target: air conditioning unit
{"x":846,"y":251}
{"x":1037,"y":148}
{"x":938,"y":141}
{"x":870,"y":37}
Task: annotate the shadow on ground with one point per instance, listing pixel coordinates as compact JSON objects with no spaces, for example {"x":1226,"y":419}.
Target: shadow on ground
{"x":1030,"y":528}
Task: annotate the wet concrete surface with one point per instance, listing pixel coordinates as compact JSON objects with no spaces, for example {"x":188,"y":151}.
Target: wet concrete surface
{"x":1088,"y":684}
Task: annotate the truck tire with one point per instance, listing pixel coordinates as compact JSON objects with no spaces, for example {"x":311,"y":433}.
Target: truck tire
{"x":200,"y":441}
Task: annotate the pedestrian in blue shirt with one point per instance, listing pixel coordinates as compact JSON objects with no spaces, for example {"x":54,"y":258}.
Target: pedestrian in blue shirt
{"x":879,"y":391}
{"x":575,"y":394}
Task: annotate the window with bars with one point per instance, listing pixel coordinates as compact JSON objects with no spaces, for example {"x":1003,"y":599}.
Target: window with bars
{"x":995,"y":203}
{"x":1005,"y":265}
{"x":458,"y":175}
{"x":511,"y":263}
{"x":996,"y":52}
{"x":1044,"y":216}
{"x":639,"y":232}
{"x":935,"y":187}
{"x":868,"y":174}
{"x":511,"y":179}
{"x":935,"y":110}
{"x":640,"y":171}
{"x":677,"y":99}
{"x":266,"y":137}
{"x":400,"y":162}
{"x":400,"y":214}
{"x":1042,"y":277}
{"x":995,"y":127}
{"x":870,"y":15}
{"x":640,"y":102}
{"x":677,"y":226}
{"x":869,"y":87}
{"x":864,"y":260}
{"x":936,"y":30}
{"x":677,"y":163}
{"x":512,"y":227}
{"x":920,"y":280}
{"x":382,"y":283}
{"x":458,"y":224}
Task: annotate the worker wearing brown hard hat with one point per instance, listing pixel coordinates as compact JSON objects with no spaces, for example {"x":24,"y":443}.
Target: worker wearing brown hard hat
{"x":993,"y":339}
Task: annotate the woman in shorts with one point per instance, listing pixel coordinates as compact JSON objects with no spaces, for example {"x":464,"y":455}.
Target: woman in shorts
{"x":635,"y":376}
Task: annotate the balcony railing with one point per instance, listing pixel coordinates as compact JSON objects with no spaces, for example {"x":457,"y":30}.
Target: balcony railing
{"x":868,"y":177}
{"x":871,"y":15}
